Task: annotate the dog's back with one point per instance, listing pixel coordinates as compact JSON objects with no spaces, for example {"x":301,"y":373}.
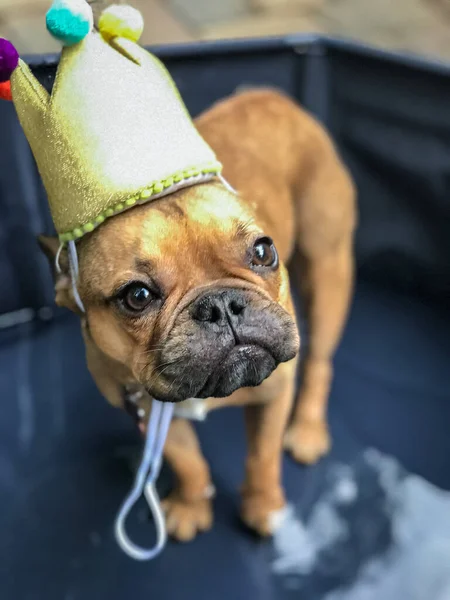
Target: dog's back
{"x":274,"y":152}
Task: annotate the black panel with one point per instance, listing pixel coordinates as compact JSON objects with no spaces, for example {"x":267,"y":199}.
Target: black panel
{"x":205,"y":78}
{"x":25,"y":276}
{"x":392,"y":124}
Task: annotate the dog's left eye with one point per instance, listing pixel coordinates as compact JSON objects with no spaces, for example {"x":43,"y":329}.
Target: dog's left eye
{"x":264,"y":253}
{"x":136,"y":297}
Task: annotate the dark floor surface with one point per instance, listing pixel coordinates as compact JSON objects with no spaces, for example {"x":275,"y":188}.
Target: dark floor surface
{"x":65,"y":460}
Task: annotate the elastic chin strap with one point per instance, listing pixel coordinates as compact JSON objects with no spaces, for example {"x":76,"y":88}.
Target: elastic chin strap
{"x":150,"y":466}
{"x":74,"y":270}
{"x":229,"y":187}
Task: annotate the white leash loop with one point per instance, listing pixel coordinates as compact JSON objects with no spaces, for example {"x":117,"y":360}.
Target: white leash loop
{"x":158,"y":427}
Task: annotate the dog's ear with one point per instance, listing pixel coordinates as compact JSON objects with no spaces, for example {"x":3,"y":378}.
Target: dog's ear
{"x":63,"y":284}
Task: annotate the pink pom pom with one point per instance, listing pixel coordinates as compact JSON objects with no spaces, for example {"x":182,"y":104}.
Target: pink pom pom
{"x":9,"y":59}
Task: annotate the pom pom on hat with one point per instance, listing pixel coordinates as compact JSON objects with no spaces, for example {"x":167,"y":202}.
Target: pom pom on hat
{"x":70,"y":21}
{"x":121,"y":20}
{"x":9,"y":59}
{"x":5,"y":91}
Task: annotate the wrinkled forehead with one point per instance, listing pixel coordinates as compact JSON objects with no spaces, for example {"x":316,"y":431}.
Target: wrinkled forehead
{"x":198,"y":217}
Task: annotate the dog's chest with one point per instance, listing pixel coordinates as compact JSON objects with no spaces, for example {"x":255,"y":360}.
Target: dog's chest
{"x":193,"y":409}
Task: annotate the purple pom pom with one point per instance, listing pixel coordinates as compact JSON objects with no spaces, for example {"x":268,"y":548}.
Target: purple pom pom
{"x":9,"y":59}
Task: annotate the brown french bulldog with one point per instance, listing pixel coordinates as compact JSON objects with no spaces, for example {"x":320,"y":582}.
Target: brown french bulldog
{"x":189,"y":297}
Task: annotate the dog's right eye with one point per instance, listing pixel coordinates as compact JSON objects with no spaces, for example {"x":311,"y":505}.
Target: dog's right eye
{"x":136,"y":297}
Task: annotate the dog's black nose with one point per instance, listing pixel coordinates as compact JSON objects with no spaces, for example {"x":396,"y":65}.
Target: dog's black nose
{"x":219,"y":307}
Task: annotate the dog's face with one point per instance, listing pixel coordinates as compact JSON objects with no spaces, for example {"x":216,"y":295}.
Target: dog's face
{"x":188,"y":293}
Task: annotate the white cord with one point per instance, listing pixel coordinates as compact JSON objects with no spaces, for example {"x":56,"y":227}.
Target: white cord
{"x":57,"y":257}
{"x":73,"y":263}
{"x":229,"y":187}
{"x":158,"y":427}
{"x":148,"y":471}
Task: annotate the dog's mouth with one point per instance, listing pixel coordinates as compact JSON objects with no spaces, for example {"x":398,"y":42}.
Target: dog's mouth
{"x":246,"y":365}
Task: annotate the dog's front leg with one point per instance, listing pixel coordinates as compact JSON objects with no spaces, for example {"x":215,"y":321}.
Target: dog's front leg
{"x":262,"y":492}
{"x":188,"y":508}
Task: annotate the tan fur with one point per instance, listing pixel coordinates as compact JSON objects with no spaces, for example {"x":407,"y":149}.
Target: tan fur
{"x":293,"y":187}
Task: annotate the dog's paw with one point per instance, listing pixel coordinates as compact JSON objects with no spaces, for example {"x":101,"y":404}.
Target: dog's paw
{"x":259,"y":512}
{"x":185,"y":519}
{"x":307,"y":441}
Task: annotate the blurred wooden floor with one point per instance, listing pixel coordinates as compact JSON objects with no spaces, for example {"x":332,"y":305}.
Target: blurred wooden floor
{"x":420,"y":26}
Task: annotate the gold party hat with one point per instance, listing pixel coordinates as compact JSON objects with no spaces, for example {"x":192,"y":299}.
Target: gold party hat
{"x":114,"y":132}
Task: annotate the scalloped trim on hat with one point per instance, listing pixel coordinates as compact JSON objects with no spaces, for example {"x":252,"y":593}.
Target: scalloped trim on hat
{"x":160,"y":188}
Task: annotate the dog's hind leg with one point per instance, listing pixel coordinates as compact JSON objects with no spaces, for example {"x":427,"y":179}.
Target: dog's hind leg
{"x":330,"y":280}
{"x":325,"y":222}
{"x":188,"y":507}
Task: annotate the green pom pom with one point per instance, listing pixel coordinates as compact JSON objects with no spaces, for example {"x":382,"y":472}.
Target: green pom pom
{"x":70,"y":21}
